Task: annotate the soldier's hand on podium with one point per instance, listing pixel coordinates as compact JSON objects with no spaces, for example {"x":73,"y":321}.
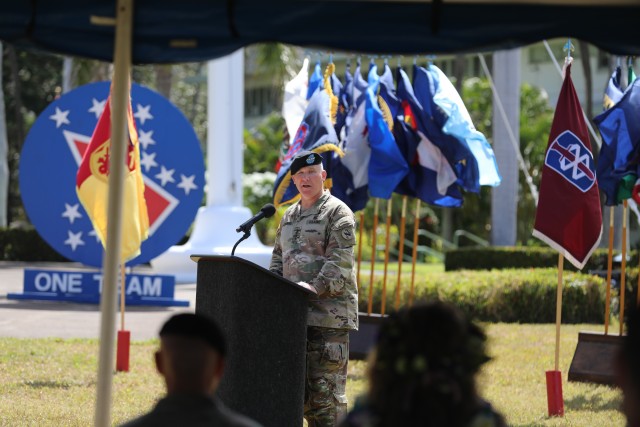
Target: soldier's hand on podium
{"x":307,"y":286}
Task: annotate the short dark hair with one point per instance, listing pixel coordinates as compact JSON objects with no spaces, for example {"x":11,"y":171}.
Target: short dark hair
{"x":199,"y":326}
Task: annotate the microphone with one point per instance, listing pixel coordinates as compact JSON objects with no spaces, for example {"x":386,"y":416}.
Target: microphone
{"x":266,"y":211}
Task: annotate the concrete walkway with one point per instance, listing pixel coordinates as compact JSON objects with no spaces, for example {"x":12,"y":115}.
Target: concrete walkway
{"x":38,"y":319}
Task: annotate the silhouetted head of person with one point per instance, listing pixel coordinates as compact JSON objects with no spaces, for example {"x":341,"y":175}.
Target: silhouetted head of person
{"x":191,"y":354}
{"x":628,"y":370}
{"x":423,"y":369}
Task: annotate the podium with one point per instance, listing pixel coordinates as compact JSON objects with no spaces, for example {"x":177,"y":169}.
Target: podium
{"x":264,"y":319}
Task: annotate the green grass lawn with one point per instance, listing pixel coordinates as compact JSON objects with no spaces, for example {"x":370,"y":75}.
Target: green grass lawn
{"x":52,"y":382}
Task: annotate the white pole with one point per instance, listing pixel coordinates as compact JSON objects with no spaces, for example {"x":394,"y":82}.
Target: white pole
{"x":214,"y":230}
{"x":504,"y":198}
{"x":224,"y":135}
{"x":108,"y":301}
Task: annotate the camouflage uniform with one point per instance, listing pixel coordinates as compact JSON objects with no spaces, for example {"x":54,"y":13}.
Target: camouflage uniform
{"x":316,"y":246}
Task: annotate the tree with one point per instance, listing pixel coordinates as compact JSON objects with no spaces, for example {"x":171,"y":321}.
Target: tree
{"x":34,"y":81}
{"x":535,"y":122}
{"x":262,"y":146}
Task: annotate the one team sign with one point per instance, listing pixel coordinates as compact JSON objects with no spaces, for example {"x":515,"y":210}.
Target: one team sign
{"x":86,"y":287}
{"x":170,"y":157}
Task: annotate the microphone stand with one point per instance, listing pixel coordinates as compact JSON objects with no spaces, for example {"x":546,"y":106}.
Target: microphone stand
{"x":247,"y":233}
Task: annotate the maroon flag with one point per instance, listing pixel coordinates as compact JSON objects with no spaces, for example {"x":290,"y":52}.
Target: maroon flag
{"x":568,"y":217}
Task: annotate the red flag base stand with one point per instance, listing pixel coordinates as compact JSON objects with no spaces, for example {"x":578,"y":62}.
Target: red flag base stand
{"x":122,"y":355}
{"x":555,"y":402}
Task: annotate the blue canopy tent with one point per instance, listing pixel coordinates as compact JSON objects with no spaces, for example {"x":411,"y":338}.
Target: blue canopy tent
{"x":166,"y":31}
{"x":169,"y":31}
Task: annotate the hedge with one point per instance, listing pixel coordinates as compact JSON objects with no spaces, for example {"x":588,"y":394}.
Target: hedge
{"x":17,"y":244}
{"x":516,"y":295}
{"x":488,"y":258}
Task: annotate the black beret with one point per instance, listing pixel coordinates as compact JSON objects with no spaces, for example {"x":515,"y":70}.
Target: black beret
{"x":198,"y":326}
{"x":305,"y":158}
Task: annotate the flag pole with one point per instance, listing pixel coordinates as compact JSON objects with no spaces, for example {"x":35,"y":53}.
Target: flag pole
{"x":360,"y":246}
{"x":414,"y":255}
{"x":401,"y":249}
{"x":122,"y":293}
{"x":124,"y":336}
{"x":373,"y":253}
{"x":559,"y":309}
{"x":607,"y":308}
{"x":386,"y":258}
{"x":623,"y":265}
{"x":555,"y":402}
{"x":119,"y":98}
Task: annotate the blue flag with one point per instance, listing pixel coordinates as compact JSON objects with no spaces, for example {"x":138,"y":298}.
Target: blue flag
{"x":351,"y":171}
{"x":459,"y":125}
{"x":431,"y":178}
{"x":316,"y":133}
{"x":387,"y":166}
{"x":430,"y":119}
{"x":619,"y":154}
{"x":345,"y":102}
{"x":613,"y":92}
{"x":388,"y":92}
{"x":315,"y":81}
{"x":359,"y":86}
{"x":336,"y":84}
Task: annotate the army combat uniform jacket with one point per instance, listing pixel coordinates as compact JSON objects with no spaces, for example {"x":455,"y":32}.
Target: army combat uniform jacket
{"x":316,"y":246}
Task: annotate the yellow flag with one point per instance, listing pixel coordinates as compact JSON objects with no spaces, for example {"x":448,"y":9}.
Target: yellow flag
{"x":92,"y":185}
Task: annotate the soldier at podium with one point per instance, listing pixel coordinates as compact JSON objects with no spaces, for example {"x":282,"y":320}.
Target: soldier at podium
{"x":315,"y":244}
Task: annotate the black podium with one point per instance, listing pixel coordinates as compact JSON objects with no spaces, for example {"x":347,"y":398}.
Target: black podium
{"x":264,"y":318}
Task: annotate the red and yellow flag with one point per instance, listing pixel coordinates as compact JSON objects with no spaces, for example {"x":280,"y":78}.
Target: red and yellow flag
{"x":92,"y":185}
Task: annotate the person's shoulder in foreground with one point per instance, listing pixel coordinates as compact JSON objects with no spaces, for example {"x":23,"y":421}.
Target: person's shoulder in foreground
{"x":191,"y":361}
{"x":191,"y":411}
{"x":422,"y":372}
{"x":363,"y":415}
{"x":627,"y":369}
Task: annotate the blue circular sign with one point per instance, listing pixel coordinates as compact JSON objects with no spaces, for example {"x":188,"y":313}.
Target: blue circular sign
{"x":171,"y":160}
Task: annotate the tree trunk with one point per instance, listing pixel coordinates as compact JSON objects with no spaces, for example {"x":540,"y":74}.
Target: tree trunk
{"x":15,"y":143}
{"x":101,"y":71}
{"x":163,"y":80}
{"x":585,"y":57}
{"x":196,"y":95}
{"x":17,"y":94}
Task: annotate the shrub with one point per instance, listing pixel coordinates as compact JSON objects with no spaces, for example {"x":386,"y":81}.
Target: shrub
{"x":17,"y":244}
{"x":488,"y":258}
{"x":524,"y":295}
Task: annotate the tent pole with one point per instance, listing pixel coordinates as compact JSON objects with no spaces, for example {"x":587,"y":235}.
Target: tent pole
{"x":623,"y":265}
{"x":386,"y":258}
{"x":373,"y":255}
{"x":108,"y":300}
{"x":360,"y":228}
{"x":401,"y":250}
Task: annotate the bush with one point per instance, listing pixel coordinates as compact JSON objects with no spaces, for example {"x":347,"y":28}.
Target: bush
{"x":18,"y":244}
{"x":489,"y":258}
{"x":525,"y":295}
